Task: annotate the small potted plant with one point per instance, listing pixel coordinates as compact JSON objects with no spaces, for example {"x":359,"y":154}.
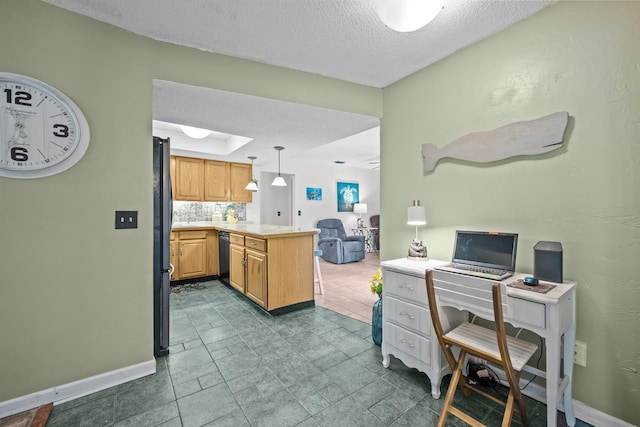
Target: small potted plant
{"x":376,"y":319}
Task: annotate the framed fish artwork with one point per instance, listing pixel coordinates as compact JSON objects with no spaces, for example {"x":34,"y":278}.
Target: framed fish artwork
{"x":348,"y":194}
{"x":314,"y":193}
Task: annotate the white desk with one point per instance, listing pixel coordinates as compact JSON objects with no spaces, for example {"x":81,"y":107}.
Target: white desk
{"x":409,"y":335}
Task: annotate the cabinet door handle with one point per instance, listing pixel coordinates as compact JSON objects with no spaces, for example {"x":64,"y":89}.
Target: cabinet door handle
{"x":409,"y":315}
{"x":180,"y":251}
{"x":173,"y":252}
{"x":411,"y":288}
{"x":406,"y":341}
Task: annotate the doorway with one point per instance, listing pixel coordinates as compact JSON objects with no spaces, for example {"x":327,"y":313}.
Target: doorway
{"x":276,"y":203}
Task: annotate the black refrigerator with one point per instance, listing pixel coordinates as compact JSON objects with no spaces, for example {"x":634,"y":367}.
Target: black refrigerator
{"x":162,"y":213}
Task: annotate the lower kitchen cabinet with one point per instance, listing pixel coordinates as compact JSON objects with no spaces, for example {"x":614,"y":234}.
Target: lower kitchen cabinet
{"x":274,"y":272}
{"x":256,"y":276}
{"x":175,"y":251}
{"x":237,"y":263}
{"x":194,"y":254}
{"x":248,"y":267}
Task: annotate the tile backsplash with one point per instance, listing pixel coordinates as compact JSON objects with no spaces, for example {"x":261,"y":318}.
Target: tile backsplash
{"x":202,"y":211}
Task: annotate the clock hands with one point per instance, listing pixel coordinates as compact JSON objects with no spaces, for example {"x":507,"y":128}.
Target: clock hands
{"x":20,"y":133}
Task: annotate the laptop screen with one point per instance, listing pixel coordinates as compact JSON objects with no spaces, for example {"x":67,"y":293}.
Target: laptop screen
{"x":486,"y":249}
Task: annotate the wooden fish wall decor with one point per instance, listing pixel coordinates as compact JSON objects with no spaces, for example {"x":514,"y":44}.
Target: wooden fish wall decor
{"x":524,"y":138}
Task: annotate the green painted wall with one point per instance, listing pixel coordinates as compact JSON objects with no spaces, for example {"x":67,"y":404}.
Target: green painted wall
{"x":75,"y":294}
{"x":580,"y":57}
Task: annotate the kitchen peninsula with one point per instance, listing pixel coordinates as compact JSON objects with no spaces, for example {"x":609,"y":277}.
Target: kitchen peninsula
{"x":270,"y":264}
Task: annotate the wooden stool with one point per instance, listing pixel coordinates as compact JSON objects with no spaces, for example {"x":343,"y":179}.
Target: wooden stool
{"x":318,"y":275}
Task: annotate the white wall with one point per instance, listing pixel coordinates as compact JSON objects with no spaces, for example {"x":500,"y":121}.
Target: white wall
{"x":309,"y":173}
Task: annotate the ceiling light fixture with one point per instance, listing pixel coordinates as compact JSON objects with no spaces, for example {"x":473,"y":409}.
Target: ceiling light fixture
{"x":408,"y":15}
{"x":195,"y":133}
{"x":279,"y":181}
{"x":253,"y":184}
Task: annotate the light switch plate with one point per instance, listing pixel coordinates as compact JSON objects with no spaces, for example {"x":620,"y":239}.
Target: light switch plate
{"x":126,"y":219}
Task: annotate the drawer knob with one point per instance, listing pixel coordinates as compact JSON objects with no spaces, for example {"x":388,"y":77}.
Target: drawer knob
{"x":406,"y":341}
{"x":409,"y":315}
{"x":411,"y":288}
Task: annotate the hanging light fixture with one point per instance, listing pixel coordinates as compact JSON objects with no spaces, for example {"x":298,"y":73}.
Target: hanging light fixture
{"x":408,"y":15}
{"x":195,"y":133}
{"x":253,"y":184}
{"x":279,"y":181}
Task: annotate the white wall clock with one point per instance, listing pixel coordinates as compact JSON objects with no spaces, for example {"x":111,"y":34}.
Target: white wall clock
{"x":42,"y":131}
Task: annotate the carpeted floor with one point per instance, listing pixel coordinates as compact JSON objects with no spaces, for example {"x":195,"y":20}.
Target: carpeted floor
{"x":36,"y":417}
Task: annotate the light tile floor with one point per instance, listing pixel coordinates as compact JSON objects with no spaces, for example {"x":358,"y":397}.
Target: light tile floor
{"x":346,"y":287}
{"x":230,"y":364}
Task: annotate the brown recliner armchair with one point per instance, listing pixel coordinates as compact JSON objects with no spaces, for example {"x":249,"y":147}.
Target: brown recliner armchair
{"x":374,"y":220}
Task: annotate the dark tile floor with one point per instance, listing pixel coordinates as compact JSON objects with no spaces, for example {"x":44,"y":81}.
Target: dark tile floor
{"x":232,"y":365}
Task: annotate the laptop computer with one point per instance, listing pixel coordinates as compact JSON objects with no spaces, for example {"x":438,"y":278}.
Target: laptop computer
{"x":486,"y":254}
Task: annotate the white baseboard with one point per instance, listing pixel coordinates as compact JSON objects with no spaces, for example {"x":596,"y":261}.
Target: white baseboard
{"x":77,"y":389}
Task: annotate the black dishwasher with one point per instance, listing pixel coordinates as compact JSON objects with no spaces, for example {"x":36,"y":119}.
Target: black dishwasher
{"x":223,"y":251}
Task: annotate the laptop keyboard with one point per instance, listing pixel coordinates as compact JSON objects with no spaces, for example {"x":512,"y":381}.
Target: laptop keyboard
{"x":472,"y":270}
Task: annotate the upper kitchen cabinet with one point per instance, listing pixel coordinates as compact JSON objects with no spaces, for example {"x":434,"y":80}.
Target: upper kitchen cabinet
{"x":240,"y":175}
{"x":216,"y":181}
{"x":189,"y":179}
{"x":211,"y":180}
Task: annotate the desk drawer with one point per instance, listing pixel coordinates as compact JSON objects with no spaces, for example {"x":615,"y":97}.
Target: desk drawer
{"x":408,"y":342}
{"x":526,"y":312}
{"x":409,"y":288}
{"x":407,"y":315}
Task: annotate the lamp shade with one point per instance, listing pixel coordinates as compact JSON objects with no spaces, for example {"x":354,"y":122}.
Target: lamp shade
{"x":252,"y":185}
{"x":416,"y":214}
{"x":359,"y":208}
{"x":195,"y":133}
{"x":408,"y":15}
{"x":279,"y":182}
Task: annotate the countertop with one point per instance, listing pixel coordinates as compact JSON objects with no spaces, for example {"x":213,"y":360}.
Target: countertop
{"x":259,"y":230}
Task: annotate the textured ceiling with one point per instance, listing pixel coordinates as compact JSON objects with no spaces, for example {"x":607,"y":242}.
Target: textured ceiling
{"x":343,"y":39}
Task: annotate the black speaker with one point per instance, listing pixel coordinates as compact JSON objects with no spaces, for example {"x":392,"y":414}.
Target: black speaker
{"x":547,"y":261}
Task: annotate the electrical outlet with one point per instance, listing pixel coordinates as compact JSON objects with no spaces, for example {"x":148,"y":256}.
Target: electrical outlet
{"x":580,"y":353}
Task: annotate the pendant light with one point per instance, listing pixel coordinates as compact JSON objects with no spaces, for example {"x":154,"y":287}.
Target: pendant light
{"x":253,"y":184}
{"x":279,"y":181}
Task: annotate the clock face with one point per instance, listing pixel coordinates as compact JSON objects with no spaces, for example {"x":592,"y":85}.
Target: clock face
{"x":42,"y":131}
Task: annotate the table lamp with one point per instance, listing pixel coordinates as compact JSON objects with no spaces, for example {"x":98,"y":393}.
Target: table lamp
{"x":416,"y":216}
{"x":360,"y":208}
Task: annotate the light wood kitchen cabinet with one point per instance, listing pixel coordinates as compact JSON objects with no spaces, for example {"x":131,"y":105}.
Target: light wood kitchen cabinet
{"x":174,"y":248}
{"x":216,"y":181}
{"x":189,"y":179}
{"x":248,"y":267}
{"x":256,"y":270}
{"x":239,"y":176}
{"x":276,"y":272}
{"x":237,"y":262}
{"x":193,"y":254}
{"x":210,"y":180}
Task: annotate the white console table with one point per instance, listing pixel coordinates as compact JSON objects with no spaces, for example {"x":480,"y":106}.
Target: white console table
{"x":408,"y":333}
